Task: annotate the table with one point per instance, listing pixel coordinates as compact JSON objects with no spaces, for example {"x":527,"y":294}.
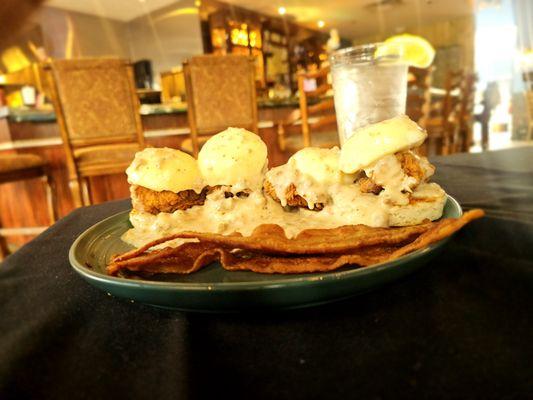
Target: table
{"x":459,"y":328}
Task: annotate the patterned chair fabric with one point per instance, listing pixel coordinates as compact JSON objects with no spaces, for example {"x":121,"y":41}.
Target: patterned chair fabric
{"x":222,"y":92}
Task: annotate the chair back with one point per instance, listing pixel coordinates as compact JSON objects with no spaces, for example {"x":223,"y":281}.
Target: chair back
{"x":317,"y":112}
{"x":452,"y":97}
{"x":96,"y":102}
{"x":220,"y":93}
{"x":314,"y":123}
{"x":468,"y":90}
{"x":446,"y":111}
{"x":466,"y":112}
{"x":419,"y":94}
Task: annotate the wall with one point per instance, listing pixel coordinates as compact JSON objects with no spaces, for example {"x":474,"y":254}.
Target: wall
{"x":72,"y":34}
{"x":167,"y":36}
{"x":454,"y":38}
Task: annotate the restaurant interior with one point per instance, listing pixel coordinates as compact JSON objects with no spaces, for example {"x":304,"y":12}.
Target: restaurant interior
{"x":86,"y":84}
{"x":266,"y":199}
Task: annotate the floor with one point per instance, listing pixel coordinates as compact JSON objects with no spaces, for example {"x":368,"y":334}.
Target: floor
{"x":497,"y":141}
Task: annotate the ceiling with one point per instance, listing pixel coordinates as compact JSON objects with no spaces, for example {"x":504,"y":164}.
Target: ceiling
{"x":353,"y":18}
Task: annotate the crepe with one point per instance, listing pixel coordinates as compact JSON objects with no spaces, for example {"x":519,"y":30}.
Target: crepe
{"x":269,"y":251}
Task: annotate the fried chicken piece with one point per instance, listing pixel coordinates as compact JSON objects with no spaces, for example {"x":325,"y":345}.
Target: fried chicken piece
{"x":155,"y":202}
{"x":367,"y":185}
{"x":410,"y":166}
{"x":292,"y":197}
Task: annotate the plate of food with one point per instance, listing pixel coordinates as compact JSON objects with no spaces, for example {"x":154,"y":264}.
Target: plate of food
{"x":224,"y":233}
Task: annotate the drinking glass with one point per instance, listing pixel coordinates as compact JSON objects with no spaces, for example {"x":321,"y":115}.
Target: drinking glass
{"x":369,"y":86}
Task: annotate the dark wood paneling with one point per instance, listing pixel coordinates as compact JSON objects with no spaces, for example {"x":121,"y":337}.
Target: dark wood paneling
{"x":33,"y":130}
{"x":164,"y":121}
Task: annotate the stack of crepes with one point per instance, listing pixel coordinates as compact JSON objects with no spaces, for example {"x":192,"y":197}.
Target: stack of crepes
{"x":364,"y":204}
{"x":269,"y":251}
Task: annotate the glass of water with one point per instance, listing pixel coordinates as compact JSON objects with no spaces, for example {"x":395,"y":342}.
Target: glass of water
{"x":369,"y":86}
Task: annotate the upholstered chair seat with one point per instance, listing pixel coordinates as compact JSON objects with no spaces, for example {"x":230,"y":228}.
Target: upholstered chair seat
{"x":14,"y":167}
{"x":98,"y":113}
{"x":102,"y":159}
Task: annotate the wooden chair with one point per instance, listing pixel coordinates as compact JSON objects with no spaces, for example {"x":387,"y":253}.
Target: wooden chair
{"x":419,"y":94}
{"x":220,"y":94}
{"x":315,"y":123}
{"x":18,"y":167}
{"x":418,"y":105}
{"x":443,"y":122}
{"x":98,"y":114}
{"x":466,"y":114}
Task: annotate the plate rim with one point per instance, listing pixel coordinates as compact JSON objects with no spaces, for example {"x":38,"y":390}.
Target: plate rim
{"x":291,"y":280}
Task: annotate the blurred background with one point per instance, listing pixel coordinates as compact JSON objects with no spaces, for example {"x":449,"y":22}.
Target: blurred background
{"x":476,"y":96}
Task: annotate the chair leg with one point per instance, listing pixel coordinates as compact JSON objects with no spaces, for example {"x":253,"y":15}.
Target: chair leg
{"x":4,"y":249}
{"x":50,"y":189}
{"x":75,"y":190}
{"x":85,"y":191}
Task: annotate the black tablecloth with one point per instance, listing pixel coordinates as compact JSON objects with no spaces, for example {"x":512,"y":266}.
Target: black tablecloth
{"x":459,"y":328}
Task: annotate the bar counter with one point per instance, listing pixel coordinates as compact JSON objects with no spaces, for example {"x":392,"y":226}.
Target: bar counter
{"x":36,"y":132}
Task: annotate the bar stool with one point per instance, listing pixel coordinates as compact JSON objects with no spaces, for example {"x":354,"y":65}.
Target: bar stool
{"x":315,"y":122}
{"x":443,"y":122}
{"x":97,"y":110}
{"x":18,"y":167}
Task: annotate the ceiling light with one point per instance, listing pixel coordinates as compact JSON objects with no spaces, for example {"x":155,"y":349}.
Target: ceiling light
{"x":282,"y":11}
{"x":321,"y":24}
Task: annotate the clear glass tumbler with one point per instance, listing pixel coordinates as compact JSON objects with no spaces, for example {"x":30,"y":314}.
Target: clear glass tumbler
{"x":369,"y":86}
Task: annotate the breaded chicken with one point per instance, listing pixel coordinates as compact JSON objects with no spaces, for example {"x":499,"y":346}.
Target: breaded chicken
{"x":410,"y":166}
{"x":292,"y":197}
{"x":409,"y":162}
{"x":154,"y":202}
{"x":367,"y":185}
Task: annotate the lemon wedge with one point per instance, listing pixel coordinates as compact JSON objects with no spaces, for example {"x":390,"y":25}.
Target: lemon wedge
{"x":416,"y":51}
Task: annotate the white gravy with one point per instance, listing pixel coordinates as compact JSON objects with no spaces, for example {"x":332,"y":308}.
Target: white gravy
{"x":346,"y":206}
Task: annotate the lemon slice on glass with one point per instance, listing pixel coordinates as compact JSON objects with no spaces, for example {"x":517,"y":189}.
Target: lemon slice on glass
{"x":416,"y":51}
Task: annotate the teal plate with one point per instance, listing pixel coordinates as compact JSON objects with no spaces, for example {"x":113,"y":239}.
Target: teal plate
{"x":213,"y":289}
